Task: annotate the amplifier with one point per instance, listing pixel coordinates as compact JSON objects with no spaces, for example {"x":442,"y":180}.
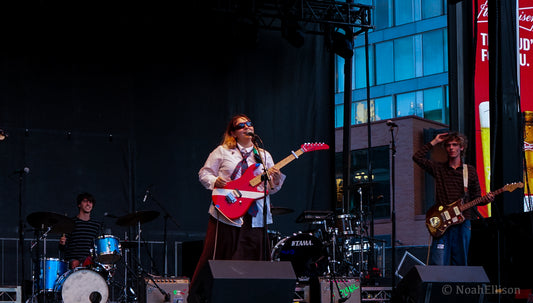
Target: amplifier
{"x":350,"y":289}
{"x":177,"y":288}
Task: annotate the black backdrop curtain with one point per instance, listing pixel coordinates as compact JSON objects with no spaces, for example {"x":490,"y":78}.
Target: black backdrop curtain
{"x":113,"y":98}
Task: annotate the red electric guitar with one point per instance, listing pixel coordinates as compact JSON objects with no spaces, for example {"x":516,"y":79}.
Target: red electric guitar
{"x":237,"y":196}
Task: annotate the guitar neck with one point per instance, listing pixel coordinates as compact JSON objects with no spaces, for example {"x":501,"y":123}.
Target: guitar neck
{"x":257,"y":179}
{"x":480,"y":200}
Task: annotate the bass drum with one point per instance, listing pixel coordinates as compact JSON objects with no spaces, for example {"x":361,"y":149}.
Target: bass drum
{"x":305,"y":252}
{"x":82,"y":285}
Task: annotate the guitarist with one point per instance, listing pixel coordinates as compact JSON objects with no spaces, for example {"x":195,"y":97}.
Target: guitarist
{"x":452,"y":247}
{"x":242,"y":238}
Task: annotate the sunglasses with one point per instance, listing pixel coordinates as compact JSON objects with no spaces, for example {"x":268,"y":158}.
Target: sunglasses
{"x":242,"y":125}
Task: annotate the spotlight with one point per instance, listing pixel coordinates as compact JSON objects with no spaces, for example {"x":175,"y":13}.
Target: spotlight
{"x":342,"y":45}
{"x":3,"y":135}
{"x":291,"y":31}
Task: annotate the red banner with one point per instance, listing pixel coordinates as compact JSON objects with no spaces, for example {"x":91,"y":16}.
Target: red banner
{"x":525,"y":60}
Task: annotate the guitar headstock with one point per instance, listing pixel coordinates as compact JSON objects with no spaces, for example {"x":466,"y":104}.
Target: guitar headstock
{"x":512,"y":186}
{"x":307,"y":147}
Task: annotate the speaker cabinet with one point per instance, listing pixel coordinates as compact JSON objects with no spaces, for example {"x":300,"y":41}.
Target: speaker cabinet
{"x":350,"y":290}
{"x":442,"y":284}
{"x":225,"y":281}
{"x":176,"y":288}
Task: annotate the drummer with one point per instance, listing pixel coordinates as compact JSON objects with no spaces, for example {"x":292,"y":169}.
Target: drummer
{"x":77,"y":245}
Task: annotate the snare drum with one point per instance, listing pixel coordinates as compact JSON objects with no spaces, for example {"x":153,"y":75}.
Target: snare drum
{"x":107,"y":249}
{"x":51,"y":269}
{"x":305,"y":252}
{"x":81,"y":285}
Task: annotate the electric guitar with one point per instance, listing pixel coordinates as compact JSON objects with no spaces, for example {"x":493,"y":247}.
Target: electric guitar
{"x":237,"y":196}
{"x":440,"y":217}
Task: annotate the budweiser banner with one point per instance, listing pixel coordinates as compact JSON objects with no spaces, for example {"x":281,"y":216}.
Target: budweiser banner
{"x":525,"y":59}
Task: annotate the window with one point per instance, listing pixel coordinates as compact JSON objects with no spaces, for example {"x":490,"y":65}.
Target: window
{"x":433,"y":104}
{"x":406,"y":104}
{"x":360,"y":67}
{"x":404,"y":58}
{"x":359,"y":176}
{"x":384,"y":66}
{"x":383,"y":108}
{"x":403,"y":12}
{"x":432,"y":8}
{"x":382,"y":14}
{"x":433,"y":46}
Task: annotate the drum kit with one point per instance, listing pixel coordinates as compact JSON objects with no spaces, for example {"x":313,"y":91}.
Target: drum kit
{"x":91,"y":282}
{"x":336,"y":245}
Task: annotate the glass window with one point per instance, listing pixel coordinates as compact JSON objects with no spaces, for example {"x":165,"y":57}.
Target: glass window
{"x":403,"y":11}
{"x":339,"y":67}
{"x":359,"y":174}
{"x":433,"y":104}
{"x":339,"y":115}
{"x":359,"y":112}
{"x":433,"y":52}
{"x":406,"y":104}
{"x":384,"y":71}
{"x":383,"y":108}
{"x":404,"y":58}
{"x":360,"y":67}
{"x":432,"y":8}
{"x":382,"y":14}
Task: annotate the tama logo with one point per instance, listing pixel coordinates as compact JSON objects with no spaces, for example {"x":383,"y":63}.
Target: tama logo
{"x":302,"y":243}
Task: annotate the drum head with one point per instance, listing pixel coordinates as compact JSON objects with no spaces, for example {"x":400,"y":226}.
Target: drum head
{"x":305,"y":252}
{"x":84,"y":285}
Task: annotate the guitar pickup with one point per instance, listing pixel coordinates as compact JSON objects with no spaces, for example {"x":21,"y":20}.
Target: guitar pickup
{"x":233,"y":196}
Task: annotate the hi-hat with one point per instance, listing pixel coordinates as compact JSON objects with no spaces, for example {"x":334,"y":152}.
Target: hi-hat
{"x":276,"y":210}
{"x":142,"y":216}
{"x":58,"y":223}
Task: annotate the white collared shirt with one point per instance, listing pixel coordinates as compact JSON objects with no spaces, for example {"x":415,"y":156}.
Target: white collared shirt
{"x":221,"y":162}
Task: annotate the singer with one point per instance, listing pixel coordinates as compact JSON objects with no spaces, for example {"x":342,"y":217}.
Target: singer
{"x":242,"y":238}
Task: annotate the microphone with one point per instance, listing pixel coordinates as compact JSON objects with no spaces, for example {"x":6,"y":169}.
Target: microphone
{"x":106,"y":214}
{"x":391,"y":124}
{"x":21,"y":171}
{"x":147,"y":193}
{"x":252,"y":135}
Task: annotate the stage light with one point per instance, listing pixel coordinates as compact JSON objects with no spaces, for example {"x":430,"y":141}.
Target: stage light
{"x":342,"y":45}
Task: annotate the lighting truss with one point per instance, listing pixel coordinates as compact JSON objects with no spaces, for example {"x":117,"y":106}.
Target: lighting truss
{"x":308,"y":13}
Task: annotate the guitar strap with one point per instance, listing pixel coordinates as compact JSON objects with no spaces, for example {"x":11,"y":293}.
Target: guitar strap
{"x":465,"y":177}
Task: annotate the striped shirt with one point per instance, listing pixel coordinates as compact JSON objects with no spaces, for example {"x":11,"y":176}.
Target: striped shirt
{"x":81,"y":240}
{"x":449,"y":185}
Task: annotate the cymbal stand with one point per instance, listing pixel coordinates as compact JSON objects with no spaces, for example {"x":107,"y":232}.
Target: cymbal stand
{"x":40,"y":267}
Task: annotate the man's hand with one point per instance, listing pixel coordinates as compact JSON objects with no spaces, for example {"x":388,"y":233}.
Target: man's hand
{"x":439,"y":138}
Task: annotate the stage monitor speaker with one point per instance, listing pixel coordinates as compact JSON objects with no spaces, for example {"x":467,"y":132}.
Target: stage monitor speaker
{"x":350,"y":290}
{"x":250,"y":281}
{"x":176,"y":288}
{"x":407,"y":262}
{"x":442,"y":284}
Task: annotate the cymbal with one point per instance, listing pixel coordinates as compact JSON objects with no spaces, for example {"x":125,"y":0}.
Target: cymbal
{"x":276,"y":210}
{"x":142,"y":216}
{"x":58,"y":223}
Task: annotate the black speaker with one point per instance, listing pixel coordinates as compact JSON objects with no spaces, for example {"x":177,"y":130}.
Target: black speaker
{"x":443,"y":284}
{"x":227,"y":281}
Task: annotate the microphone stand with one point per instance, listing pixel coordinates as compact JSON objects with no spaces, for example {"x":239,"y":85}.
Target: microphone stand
{"x":265,"y":178}
{"x":166,"y":217}
{"x":21,"y":232}
{"x":393,"y":200}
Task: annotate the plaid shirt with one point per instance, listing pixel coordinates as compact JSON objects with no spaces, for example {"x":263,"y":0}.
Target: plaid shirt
{"x":449,"y":185}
